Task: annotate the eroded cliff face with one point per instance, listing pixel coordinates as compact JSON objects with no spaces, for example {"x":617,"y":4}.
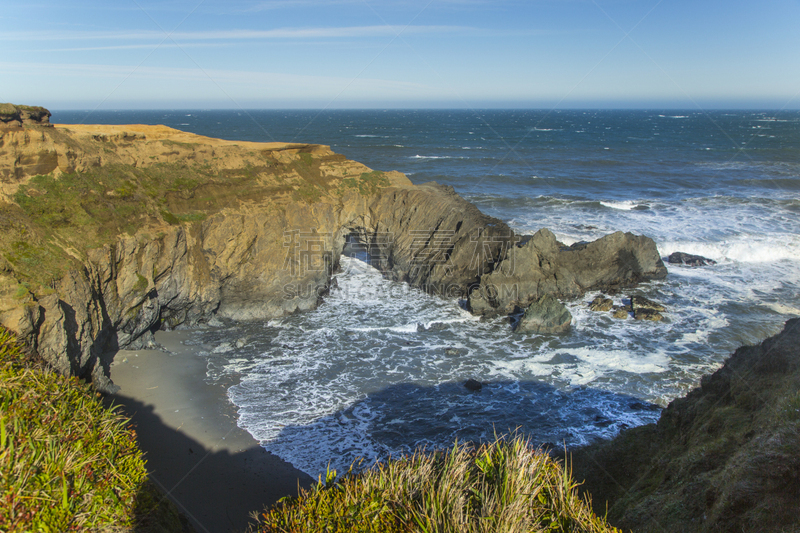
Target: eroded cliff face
{"x":108,"y":233}
{"x":118,"y":231}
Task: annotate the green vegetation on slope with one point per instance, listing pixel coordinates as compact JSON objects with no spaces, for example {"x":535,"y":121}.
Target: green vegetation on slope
{"x":115,"y":199}
{"x":53,"y":221}
{"x":367,"y":182}
{"x":504,"y":486}
{"x":66,"y":462}
{"x":724,"y":458}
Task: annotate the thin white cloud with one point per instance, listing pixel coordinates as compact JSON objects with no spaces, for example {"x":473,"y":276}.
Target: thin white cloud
{"x":294,"y":4}
{"x":238,"y":77}
{"x":269,"y":5}
{"x":131,"y":47}
{"x":281,"y":33}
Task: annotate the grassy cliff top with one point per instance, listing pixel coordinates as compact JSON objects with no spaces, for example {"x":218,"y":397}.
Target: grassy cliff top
{"x":505,"y":485}
{"x":71,"y":188}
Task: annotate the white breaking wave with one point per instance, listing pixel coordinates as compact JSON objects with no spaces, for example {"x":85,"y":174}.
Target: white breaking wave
{"x":626,"y":205}
{"x":749,"y":249}
{"x":784,"y":309}
{"x":369,"y":375}
{"x":436,"y":157}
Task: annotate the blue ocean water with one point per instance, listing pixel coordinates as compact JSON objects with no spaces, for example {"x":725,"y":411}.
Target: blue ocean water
{"x":379,"y":367}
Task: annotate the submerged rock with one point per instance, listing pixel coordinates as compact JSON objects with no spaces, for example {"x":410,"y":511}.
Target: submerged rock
{"x":547,"y":316}
{"x":473,"y":385}
{"x":681,"y":258}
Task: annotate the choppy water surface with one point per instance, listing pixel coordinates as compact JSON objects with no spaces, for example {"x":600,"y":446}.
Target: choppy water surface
{"x":379,"y":367}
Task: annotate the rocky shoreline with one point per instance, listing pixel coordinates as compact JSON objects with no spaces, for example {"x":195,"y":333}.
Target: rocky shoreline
{"x":258,"y":238}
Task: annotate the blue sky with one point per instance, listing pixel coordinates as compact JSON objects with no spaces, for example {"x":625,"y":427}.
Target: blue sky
{"x":128,"y":54}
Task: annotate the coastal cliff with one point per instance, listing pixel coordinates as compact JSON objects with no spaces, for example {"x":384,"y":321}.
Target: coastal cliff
{"x":112,"y":232}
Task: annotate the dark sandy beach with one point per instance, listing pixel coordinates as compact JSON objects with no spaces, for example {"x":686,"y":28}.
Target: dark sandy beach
{"x":213,"y":470}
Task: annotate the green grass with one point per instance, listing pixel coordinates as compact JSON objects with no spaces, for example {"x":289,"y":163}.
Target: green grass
{"x":503,"y":486}
{"x":86,"y":210}
{"x":309,"y":193}
{"x":66,"y":462}
{"x":367,"y":183}
{"x":307,"y":159}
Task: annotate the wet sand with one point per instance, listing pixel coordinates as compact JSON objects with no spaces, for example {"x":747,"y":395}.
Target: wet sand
{"x":214,"y":471}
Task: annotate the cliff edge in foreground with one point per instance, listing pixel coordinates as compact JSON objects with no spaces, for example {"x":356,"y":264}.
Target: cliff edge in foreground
{"x":724,"y":458}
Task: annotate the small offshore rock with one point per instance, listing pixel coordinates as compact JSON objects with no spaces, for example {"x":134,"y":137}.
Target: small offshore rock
{"x":601,"y":303}
{"x":241,"y":343}
{"x":620,"y":312}
{"x":644,"y":309}
{"x":682,"y":258}
{"x":640,"y":302}
{"x":451,"y":351}
{"x":473,"y":385}
{"x":647,"y":314}
{"x":547,"y":316}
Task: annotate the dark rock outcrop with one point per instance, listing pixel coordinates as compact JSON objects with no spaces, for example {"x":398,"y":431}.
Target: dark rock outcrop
{"x":23,"y":115}
{"x":432,"y":238}
{"x":473,"y":385}
{"x":546,"y":316}
{"x":724,"y":458}
{"x":644,"y":309}
{"x":681,"y":258}
{"x":601,"y":304}
{"x":543,"y":266}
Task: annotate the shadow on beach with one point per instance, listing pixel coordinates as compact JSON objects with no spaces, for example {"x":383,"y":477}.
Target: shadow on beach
{"x":216,"y":490}
{"x":218,"y":475}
